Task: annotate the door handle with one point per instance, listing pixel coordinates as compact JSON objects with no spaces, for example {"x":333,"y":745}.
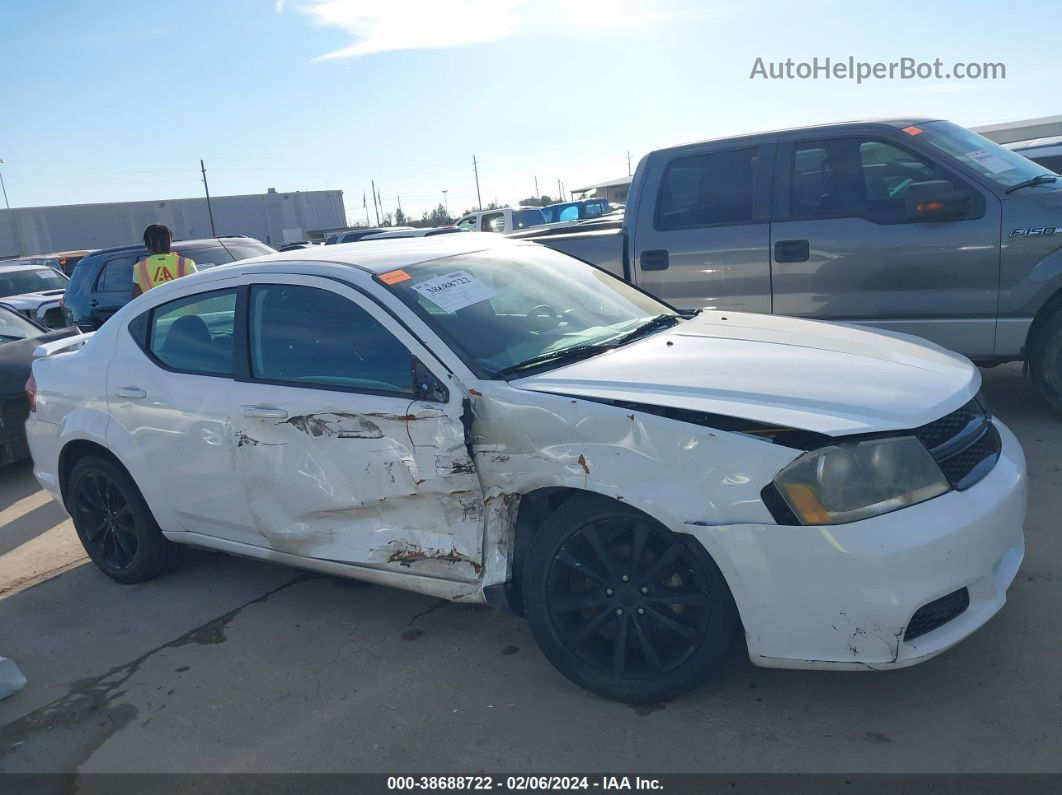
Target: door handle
{"x":264,"y":412}
{"x":94,"y":302}
{"x":130,"y":392}
{"x":792,"y":251}
{"x":655,"y":260}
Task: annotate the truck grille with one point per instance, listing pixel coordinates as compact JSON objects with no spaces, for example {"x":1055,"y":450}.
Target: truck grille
{"x":964,"y":443}
{"x":937,"y":613}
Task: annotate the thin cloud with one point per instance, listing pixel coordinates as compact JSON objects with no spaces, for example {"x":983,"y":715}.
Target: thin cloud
{"x":376,"y":27}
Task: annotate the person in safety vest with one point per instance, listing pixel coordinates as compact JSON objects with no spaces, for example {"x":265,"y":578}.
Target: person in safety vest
{"x":161,"y":265}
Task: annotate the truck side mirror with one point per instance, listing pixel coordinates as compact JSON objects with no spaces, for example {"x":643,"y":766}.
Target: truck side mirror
{"x":935,"y":200}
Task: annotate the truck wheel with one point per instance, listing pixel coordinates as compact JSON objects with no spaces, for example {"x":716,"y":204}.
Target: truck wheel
{"x":114,"y":523}
{"x":623,"y":607}
{"x":1045,"y":362}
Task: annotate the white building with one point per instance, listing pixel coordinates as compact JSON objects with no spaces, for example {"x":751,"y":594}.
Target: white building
{"x":271,"y":217}
{"x":615,"y":190}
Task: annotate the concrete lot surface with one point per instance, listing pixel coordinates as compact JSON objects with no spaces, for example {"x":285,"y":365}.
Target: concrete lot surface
{"x":231,"y":665}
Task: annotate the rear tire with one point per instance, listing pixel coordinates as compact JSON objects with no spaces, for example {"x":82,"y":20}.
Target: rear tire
{"x":622,"y":606}
{"x":114,"y":523}
{"x":1045,"y":362}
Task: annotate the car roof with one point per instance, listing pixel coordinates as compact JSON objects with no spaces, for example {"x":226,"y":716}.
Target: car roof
{"x":381,"y":256}
{"x":198,"y":243}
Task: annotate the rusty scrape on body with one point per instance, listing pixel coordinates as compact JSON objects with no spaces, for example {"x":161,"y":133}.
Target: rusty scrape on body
{"x":407,"y":554}
{"x":339,"y":425}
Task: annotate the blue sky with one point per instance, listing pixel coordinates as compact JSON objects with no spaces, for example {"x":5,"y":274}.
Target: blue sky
{"x":113,"y":100}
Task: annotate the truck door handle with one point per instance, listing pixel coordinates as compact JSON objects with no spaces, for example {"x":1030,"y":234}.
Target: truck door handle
{"x":655,"y":260}
{"x":130,"y":392}
{"x":264,"y":412}
{"x":94,"y":302}
{"x":792,"y":251}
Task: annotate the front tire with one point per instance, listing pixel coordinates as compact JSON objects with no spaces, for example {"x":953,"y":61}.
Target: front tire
{"x":1045,"y":362}
{"x":114,"y":523}
{"x":622,"y":606}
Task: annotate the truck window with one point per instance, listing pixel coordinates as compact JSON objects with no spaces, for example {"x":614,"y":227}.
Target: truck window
{"x":467,"y":224}
{"x":707,"y":190}
{"x":856,"y":178}
{"x":492,"y":222}
{"x":1052,"y":163}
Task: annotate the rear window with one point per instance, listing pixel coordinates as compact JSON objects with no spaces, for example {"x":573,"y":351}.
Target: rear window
{"x":248,"y":249}
{"x":30,"y":280}
{"x":206,"y":257}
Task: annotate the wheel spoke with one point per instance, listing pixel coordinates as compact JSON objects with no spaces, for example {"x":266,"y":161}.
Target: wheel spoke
{"x":569,"y":560}
{"x":664,"y":564}
{"x":647,"y":646}
{"x":619,"y":650}
{"x":579,"y":601}
{"x":126,"y":549}
{"x":592,"y":627}
{"x":691,"y":635}
{"x":641,"y":532}
{"x":604,"y":554}
{"x":691,"y":598}
{"x":99,"y":528}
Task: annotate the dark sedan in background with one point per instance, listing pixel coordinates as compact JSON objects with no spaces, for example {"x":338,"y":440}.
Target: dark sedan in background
{"x":19,"y":338}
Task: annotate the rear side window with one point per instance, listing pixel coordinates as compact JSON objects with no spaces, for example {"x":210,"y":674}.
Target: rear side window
{"x":305,"y":336}
{"x":117,"y":275}
{"x":194,"y":334}
{"x":492,"y":222}
{"x":708,"y":190}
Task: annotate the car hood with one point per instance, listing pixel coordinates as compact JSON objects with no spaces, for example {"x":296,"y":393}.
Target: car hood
{"x":829,"y":378}
{"x":25,"y":301}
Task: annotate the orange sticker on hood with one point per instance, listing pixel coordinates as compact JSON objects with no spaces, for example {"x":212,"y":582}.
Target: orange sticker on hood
{"x":394,"y":277}
{"x":912,"y":130}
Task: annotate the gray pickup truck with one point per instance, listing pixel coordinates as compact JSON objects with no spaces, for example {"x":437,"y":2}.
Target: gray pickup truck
{"x":910,"y":225}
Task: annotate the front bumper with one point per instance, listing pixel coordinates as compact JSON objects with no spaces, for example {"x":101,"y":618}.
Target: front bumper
{"x":841,"y":597}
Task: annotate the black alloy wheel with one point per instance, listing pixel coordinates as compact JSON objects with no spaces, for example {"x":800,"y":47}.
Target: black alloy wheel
{"x":624,"y":607}
{"x":114,"y":523}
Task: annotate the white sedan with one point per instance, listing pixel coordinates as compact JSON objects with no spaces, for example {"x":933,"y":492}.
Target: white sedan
{"x":486,"y":420}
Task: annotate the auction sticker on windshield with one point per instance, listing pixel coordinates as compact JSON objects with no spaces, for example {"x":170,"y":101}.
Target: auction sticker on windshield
{"x":989,"y":161}
{"x":455,"y":291}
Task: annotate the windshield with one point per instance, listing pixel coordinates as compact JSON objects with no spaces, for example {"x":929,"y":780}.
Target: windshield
{"x":13,"y":327}
{"x":30,"y":280}
{"x":987,"y":158}
{"x":503,"y":307}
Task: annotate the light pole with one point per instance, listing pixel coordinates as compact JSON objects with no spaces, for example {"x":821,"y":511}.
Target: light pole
{"x":6,"y":204}
{"x":446,"y":204}
{"x":16,"y":238}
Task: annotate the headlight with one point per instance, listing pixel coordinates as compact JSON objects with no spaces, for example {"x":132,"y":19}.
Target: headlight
{"x":845,"y":483}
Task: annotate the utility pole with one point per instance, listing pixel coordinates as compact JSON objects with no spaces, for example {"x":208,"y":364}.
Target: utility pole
{"x":16,"y":237}
{"x":537,"y":194}
{"x":379,"y":195}
{"x":365,"y":204}
{"x":628,"y":162}
{"x":479,"y":199}
{"x":375,"y":206}
{"x":446,"y":204}
{"x":210,"y":211}
{"x":560,"y":191}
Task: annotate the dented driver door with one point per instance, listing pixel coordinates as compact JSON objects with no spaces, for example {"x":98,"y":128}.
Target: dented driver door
{"x":340,"y":455}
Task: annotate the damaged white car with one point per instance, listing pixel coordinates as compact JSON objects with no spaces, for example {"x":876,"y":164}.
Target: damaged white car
{"x":491,"y":421}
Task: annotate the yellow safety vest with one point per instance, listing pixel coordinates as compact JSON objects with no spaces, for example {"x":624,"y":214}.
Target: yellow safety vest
{"x":159,"y":268}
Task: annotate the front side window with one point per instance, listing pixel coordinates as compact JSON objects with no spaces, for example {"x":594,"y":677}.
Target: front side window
{"x":306,"y":336}
{"x":856,"y":178}
{"x":194,"y":334}
{"x":117,"y":275}
{"x":501,"y":308}
{"x":30,"y":280}
{"x":467,"y":224}
{"x":708,"y":190}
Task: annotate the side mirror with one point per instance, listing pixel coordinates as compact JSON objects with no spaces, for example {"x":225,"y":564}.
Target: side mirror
{"x":426,"y":386}
{"x":935,"y":200}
